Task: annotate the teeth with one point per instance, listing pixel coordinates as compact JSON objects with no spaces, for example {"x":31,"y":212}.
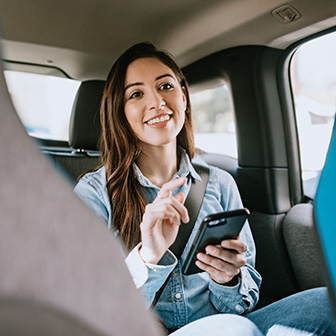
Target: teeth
{"x":158,"y":120}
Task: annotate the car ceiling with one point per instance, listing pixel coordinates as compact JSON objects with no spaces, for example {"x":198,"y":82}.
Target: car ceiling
{"x":84,"y":37}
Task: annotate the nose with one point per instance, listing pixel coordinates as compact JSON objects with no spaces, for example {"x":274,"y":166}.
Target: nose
{"x":155,"y":101}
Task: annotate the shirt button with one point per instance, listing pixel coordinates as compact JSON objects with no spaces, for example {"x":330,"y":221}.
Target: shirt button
{"x":239,"y":309}
{"x":178,"y":295}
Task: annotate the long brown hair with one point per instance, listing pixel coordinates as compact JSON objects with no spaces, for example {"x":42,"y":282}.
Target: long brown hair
{"x":119,"y":145}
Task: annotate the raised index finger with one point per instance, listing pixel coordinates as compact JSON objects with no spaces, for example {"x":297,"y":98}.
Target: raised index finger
{"x":168,"y":187}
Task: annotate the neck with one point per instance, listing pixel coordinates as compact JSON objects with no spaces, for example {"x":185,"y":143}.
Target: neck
{"x":158,"y":164}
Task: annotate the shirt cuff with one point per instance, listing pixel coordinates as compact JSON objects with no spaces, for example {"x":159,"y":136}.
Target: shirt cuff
{"x":245,"y":282}
{"x":220,"y":290}
{"x":141,"y":271}
{"x":235,"y":298}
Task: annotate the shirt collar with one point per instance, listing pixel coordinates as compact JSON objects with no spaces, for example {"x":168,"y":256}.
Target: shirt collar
{"x":185,"y":169}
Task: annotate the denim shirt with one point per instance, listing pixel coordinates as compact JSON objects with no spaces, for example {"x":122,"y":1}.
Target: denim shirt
{"x":186,"y":297}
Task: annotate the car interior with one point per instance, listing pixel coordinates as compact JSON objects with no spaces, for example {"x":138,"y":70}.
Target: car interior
{"x":56,"y":268}
{"x":61,"y":274}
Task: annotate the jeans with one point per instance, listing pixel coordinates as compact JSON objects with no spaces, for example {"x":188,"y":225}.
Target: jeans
{"x":308,"y":310}
{"x":304,"y":313}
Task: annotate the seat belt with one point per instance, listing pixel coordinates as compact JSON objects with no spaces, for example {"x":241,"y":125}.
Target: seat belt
{"x":193,"y":203}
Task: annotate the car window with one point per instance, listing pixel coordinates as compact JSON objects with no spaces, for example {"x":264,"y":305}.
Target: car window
{"x":313,"y":77}
{"x":214,"y":121}
{"x":43,"y":102}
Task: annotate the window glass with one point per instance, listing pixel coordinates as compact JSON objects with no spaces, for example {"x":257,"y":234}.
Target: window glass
{"x":313,"y":75}
{"x":214,"y":121}
{"x":43,"y":102}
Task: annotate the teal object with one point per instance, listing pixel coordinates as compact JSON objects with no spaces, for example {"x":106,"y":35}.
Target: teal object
{"x":325,"y":215}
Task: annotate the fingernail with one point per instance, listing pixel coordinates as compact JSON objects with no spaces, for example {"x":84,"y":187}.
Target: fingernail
{"x":210,"y":249}
{"x":200,"y":256}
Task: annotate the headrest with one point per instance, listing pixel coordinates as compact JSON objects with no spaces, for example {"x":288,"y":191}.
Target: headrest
{"x":84,"y":128}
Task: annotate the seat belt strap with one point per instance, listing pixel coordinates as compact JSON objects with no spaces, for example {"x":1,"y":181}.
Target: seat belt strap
{"x":193,"y":203}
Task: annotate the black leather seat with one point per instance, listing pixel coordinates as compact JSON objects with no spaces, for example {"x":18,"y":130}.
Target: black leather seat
{"x":84,"y":128}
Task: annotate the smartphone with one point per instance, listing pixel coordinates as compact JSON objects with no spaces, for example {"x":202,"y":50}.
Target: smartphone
{"x":214,"y":228}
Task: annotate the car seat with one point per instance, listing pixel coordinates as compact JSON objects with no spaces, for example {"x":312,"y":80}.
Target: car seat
{"x":61,"y":271}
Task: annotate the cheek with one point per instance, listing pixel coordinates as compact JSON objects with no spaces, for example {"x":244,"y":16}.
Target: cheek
{"x":131,"y":114}
{"x":183,"y":102}
{"x":183,"y":117}
{"x":183,"y":107}
{"x":178,"y":101}
{"x":180,"y":107}
{"x":181,"y":121}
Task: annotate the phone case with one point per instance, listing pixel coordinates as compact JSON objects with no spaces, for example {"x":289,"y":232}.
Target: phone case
{"x":213,"y":229}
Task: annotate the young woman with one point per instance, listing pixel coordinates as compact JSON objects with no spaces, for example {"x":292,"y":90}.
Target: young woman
{"x":147,"y":147}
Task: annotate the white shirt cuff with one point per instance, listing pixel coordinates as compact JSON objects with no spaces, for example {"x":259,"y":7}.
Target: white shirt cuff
{"x":139,"y":269}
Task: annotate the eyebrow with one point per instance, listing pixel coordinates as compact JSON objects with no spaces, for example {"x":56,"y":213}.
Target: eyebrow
{"x":139,"y":83}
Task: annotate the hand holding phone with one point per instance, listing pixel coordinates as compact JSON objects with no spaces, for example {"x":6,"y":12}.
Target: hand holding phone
{"x":213,"y":229}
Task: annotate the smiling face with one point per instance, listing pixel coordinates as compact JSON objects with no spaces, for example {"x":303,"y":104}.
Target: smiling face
{"x":155,"y":103}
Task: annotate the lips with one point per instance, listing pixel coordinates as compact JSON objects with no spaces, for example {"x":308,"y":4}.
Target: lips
{"x":158,"y":120}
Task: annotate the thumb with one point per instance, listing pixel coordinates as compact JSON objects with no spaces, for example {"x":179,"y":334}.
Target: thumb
{"x":180,"y":197}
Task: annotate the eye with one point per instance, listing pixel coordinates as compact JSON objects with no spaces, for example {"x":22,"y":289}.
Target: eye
{"x":166,"y":86}
{"x":135,"y":95}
